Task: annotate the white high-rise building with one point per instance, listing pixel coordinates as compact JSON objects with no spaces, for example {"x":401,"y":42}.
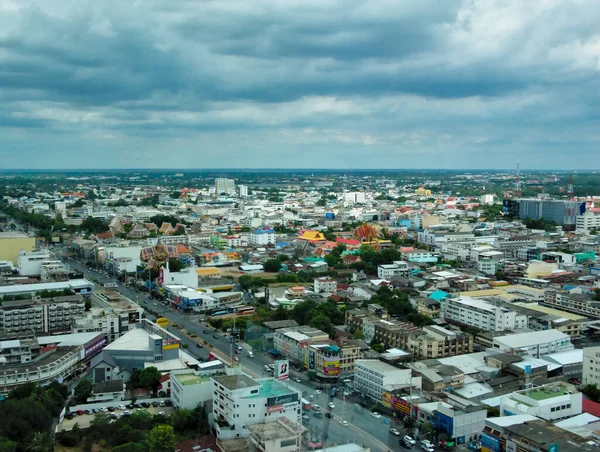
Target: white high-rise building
{"x":223,"y":185}
{"x":243,"y":191}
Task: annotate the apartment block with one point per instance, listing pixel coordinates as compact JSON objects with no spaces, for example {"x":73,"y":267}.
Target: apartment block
{"x":261,"y":237}
{"x":325,"y":285}
{"x":292,"y":342}
{"x":591,"y":366}
{"x":30,"y":264}
{"x":550,"y":402}
{"x":397,"y":268}
{"x":534,"y":344}
{"x":483,"y":314}
{"x":437,"y":342}
{"x":332,"y":361}
{"x":373,"y":377}
{"x":41,"y":316}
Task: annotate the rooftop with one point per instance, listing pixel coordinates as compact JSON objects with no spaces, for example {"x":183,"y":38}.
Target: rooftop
{"x":545,"y":393}
{"x":191,"y":379}
{"x":272,"y":388}
{"x":234,"y":382}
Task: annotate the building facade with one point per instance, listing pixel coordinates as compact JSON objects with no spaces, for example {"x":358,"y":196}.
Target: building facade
{"x":371,"y":377}
{"x":482,"y":314}
{"x":41,"y":316}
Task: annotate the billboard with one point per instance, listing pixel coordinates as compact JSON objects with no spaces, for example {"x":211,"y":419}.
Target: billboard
{"x":274,"y":409}
{"x":489,"y":443}
{"x":282,"y":370}
{"x":283,"y":399}
{"x":311,"y":359}
{"x":510,"y":208}
{"x":387,"y":399}
{"x":331,"y":367}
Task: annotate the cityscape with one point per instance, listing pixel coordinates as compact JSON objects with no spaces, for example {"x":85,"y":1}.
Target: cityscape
{"x":296,"y":226}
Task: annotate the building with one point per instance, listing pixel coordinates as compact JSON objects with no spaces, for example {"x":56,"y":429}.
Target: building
{"x":591,"y":366}
{"x":292,"y":342}
{"x":331,"y":362}
{"x":355,"y":197}
{"x":224,"y":185}
{"x":487,"y":266}
{"x":483,"y":314}
{"x":190,"y":387}
{"x":30,"y":264}
{"x":562,"y":212}
{"x":41,"y":315}
{"x":589,"y":221}
{"x":550,"y":402}
{"x":546,"y":318}
{"x":398,"y":268}
{"x":276,"y":436}
{"x":462,"y":423}
{"x":78,"y":286}
{"x":420,"y":256}
{"x":243,"y":191}
{"x":261,"y":237}
{"x":12,"y":243}
{"x":373,"y":377}
{"x":534,"y":344}
{"x":437,"y":342}
{"x":240,"y":401}
{"x":325,"y":285}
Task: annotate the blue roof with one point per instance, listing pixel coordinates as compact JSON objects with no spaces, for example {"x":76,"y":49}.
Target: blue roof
{"x":282,"y":244}
{"x":439,"y":295}
{"x":569,"y":287}
{"x":264,"y":231}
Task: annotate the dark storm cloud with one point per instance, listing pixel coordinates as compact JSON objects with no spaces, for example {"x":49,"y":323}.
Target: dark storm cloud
{"x":401,"y":76}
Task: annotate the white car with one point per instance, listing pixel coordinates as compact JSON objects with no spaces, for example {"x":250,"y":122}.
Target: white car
{"x":104,"y":409}
{"x":331,"y":405}
{"x":395,"y":431}
{"x":297,"y":380}
{"x":346,"y":393}
{"x":408,"y":439}
{"x":316,"y":408}
{"x":344,"y":423}
{"x":318,"y":391}
{"x":162,"y":413}
{"x":376,"y":415}
{"x":121,"y":407}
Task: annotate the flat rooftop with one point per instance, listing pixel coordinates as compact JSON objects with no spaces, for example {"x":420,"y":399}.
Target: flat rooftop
{"x":136,"y":339}
{"x":191,"y":379}
{"x":233,"y":382}
{"x":546,"y":393}
{"x":272,"y":388}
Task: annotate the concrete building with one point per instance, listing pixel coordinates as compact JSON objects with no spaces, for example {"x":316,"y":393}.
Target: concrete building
{"x":41,"y":316}
{"x":420,"y":256}
{"x":587,"y":222}
{"x":355,"y":197}
{"x":562,"y":212}
{"x":550,"y":402}
{"x":243,"y":191}
{"x":261,"y":237}
{"x":224,"y":185}
{"x":240,"y":401}
{"x":483,"y":314}
{"x":332,"y":362}
{"x":292,"y":342}
{"x":464,"y":424}
{"x":30,"y":264}
{"x":325,"y":285}
{"x":191,"y":387}
{"x":12,"y":243}
{"x":276,"y":436}
{"x":437,"y":342}
{"x":591,"y":366}
{"x":386,"y":271}
{"x":373,"y":377}
{"x":534,"y":344}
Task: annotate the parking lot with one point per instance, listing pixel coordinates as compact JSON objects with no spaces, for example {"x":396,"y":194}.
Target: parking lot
{"x":85,"y":420}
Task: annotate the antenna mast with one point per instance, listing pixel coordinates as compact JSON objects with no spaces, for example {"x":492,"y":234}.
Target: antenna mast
{"x":570,"y":189}
{"x":518,"y":190}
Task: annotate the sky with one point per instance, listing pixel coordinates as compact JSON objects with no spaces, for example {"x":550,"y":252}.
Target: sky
{"x":299,"y":84}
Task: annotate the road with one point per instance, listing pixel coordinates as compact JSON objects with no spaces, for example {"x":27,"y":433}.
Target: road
{"x":362,"y":427}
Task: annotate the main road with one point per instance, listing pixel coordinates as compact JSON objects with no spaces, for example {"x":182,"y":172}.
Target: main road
{"x":362,"y":427}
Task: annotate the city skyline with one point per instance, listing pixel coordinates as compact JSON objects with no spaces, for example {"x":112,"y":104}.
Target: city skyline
{"x":459,"y":85}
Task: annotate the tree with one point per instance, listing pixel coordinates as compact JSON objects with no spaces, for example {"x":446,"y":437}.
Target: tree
{"x":42,"y":442}
{"x":175,"y":194}
{"x":322,"y":322}
{"x":379,"y":348}
{"x":175,"y":265}
{"x":149,"y":378}
{"x":162,"y":439}
{"x":88,"y":304}
{"x":272,"y":265}
{"x":283,"y":257}
{"x":358,"y":334}
{"x":179,"y":231}
{"x":94,"y":225}
{"x":83,"y":390}
{"x":592,"y":392}
{"x":7,"y":445}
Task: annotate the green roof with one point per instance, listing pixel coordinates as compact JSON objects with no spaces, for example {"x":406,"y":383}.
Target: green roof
{"x":191,"y":379}
{"x":543,"y":394}
{"x":271,"y":388}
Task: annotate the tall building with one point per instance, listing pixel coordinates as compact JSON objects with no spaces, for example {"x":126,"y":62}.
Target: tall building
{"x":30,"y":264}
{"x":243,"y":191}
{"x":223,"y":185}
{"x":483,"y":314}
{"x":41,"y":316}
{"x":563,"y":213}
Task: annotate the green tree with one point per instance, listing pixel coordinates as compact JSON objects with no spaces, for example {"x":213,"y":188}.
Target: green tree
{"x":130,"y":447}
{"x":94,"y":225}
{"x":272,"y":265}
{"x":162,"y":439}
{"x":41,"y":442}
{"x":592,"y":392}
{"x":358,"y":334}
{"x":322,"y":322}
{"x":149,"y":378}
{"x":175,"y":194}
{"x":283,"y":257}
{"x":175,"y":264}
{"x":7,"y":445}
{"x":83,"y":390}
{"x":379,"y":348}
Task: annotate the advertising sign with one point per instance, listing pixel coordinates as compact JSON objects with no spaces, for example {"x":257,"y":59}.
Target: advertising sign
{"x":311,"y":359}
{"x":331,"y":367}
{"x":386,"y":399}
{"x":489,"y":442}
{"x":282,"y":400}
{"x":282,"y":370}
{"x":274,"y":409}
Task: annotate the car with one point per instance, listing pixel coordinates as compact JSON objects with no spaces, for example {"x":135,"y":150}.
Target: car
{"x":237,"y":351}
{"x":316,"y":407}
{"x":297,"y":380}
{"x":427,"y":448}
{"x":111,"y":408}
{"x":311,"y":397}
{"x":121,"y":407}
{"x":405,"y":444}
{"x":409,"y":439}
{"x":317,"y":414}
{"x":346,"y":393}
{"x":395,"y":431}
{"x":104,"y":409}
{"x":69,"y":416}
{"x":331,"y":405}
{"x":155,"y":404}
{"x":145,"y":404}
{"x":126,"y":413}
{"x":162,"y":413}
{"x":94,"y":410}
{"x":168,"y":403}
{"x":80,"y":412}
{"x":344,"y":423}
{"x":154,"y":304}
{"x":205,"y":331}
{"x":317,"y":391}
{"x":162,"y":403}
{"x":113,"y":416}
{"x":328,"y":415}
{"x":376,"y":415}
{"x":236,"y":359}
{"x":199,"y":345}
{"x":216,"y":336}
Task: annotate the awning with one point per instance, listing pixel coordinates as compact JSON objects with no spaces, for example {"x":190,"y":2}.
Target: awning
{"x":274,"y":351}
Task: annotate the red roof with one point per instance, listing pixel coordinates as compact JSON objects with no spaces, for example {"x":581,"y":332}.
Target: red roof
{"x":164,"y":378}
{"x":591,"y":407}
{"x":347,"y":241}
{"x":341,"y":286}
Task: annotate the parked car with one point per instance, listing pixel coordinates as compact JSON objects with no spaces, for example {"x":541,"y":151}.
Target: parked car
{"x":317,"y":414}
{"x":155,"y":404}
{"x":121,"y":407}
{"x":216,"y":336}
{"x":236,"y":359}
{"x":111,"y":408}
{"x":80,"y":412}
{"x":87,"y":411}
{"x":162,"y":413}
{"x":395,"y":431}
{"x":328,"y":415}
{"x":405,"y":444}
{"x":168,"y":403}
{"x":318,"y":391}
{"x":205,"y":331}
{"x":104,"y":409}
{"x":162,"y":403}
{"x":69,"y":416}
{"x":297,"y":380}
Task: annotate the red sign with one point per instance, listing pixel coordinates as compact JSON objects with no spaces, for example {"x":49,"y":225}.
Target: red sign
{"x":274,"y":409}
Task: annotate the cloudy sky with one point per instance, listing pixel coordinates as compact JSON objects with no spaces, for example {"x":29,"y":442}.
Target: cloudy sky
{"x":300,"y":84}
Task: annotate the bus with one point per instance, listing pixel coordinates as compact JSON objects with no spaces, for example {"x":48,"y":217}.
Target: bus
{"x":245,"y":310}
{"x":219,"y":312}
{"x":305,"y":405}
